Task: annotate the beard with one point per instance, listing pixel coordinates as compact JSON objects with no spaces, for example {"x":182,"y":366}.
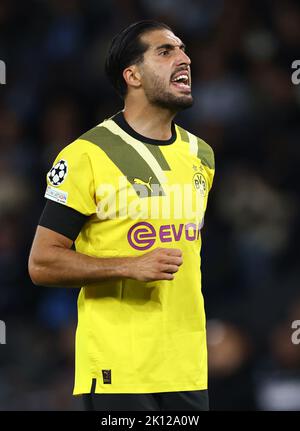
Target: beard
{"x":158,"y":95}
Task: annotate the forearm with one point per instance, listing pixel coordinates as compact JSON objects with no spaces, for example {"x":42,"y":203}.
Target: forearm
{"x":65,"y":267}
{"x":52,"y":262}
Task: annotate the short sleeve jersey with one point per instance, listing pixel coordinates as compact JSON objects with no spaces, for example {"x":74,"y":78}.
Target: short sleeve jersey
{"x":138,"y":194}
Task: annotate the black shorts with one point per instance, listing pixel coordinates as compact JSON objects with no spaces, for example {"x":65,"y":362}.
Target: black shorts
{"x":186,"y":400}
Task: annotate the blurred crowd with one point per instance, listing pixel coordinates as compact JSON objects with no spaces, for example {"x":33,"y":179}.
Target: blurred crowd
{"x":246,"y":107}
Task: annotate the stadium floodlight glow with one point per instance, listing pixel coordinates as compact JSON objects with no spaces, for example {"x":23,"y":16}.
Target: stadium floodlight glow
{"x":2,"y":332}
{"x":2,"y":72}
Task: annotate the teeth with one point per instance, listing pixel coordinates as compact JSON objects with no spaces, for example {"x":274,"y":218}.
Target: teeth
{"x":181,"y":77}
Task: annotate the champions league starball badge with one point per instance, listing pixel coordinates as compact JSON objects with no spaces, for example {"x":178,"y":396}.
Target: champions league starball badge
{"x":58,"y":173}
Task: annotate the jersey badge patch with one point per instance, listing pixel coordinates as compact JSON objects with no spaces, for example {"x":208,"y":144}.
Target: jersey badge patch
{"x":58,"y":173}
{"x":106,"y":375}
{"x":200,"y":184}
{"x":56,"y":195}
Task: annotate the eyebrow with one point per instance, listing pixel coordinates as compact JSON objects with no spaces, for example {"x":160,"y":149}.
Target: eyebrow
{"x":170,"y":46}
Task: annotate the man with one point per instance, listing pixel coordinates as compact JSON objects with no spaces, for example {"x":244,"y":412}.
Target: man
{"x":130,"y":194}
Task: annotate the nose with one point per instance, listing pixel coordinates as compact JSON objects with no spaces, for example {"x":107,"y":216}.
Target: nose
{"x":183,"y":58}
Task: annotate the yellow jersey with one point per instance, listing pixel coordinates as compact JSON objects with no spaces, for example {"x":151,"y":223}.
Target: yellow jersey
{"x":138,"y":194}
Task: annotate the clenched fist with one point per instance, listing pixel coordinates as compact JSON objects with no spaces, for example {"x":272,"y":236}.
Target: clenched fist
{"x":158,"y":264}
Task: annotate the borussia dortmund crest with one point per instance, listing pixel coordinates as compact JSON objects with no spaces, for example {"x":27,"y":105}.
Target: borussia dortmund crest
{"x":200,"y":184}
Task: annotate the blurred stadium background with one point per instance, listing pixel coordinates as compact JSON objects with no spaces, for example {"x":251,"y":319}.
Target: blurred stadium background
{"x":246,"y":107}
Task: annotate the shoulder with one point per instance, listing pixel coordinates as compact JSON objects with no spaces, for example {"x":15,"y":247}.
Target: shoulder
{"x":100,"y":134}
{"x":87,"y":143}
{"x":202,"y":149}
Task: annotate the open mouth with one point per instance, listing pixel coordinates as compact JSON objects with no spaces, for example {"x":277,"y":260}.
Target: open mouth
{"x":182,"y":81}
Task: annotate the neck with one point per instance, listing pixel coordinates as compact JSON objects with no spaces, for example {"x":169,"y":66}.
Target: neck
{"x":148,"y":120}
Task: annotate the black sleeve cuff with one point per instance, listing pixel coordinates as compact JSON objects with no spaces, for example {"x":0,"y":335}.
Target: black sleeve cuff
{"x":62,"y":219}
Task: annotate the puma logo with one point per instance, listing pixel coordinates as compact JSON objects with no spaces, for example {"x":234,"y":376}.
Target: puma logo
{"x":138,"y":181}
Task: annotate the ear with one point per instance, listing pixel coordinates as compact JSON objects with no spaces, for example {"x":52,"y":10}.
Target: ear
{"x":132,"y":76}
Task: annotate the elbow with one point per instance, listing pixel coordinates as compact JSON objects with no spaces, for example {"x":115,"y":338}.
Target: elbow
{"x":37,"y":272}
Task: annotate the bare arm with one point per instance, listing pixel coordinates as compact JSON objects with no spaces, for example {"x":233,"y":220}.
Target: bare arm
{"x":53,"y":263}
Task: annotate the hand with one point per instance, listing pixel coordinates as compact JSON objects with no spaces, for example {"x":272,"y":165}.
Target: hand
{"x":158,"y":264}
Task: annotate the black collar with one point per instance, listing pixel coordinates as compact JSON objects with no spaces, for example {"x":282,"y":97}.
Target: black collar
{"x":121,"y":122}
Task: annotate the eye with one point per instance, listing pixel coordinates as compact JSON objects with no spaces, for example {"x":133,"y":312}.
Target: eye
{"x":164,"y":53}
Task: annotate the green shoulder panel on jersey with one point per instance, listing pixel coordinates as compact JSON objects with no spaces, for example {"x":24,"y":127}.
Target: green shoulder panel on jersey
{"x":204,"y":152}
{"x":183,"y":134}
{"x":127,"y":160}
{"x":157,"y":153}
